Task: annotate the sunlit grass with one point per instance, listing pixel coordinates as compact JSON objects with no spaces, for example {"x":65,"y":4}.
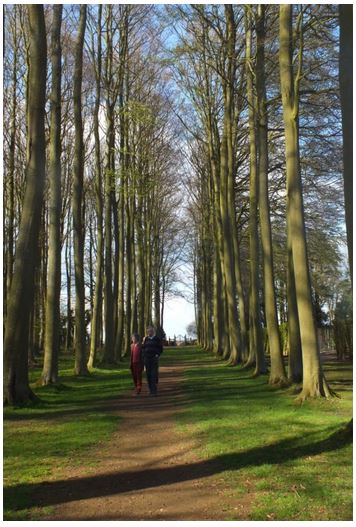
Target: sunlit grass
{"x":43,"y":438}
{"x":292,"y":459}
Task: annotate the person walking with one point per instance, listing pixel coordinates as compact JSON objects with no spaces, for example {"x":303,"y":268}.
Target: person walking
{"x":152,"y":349}
{"x":136,"y":363}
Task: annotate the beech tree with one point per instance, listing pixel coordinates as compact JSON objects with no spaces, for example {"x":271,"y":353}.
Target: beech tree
{"x":346,"y":79}
{"x":22,"y":291}
{"x":52,"y":344}
{"x":314,"y":383}
{"x":216,"y":157}
{"x":77,"y":202}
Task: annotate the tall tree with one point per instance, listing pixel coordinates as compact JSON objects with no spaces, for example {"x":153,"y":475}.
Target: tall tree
{"x":21,"y":298}
{"x":277,"y":373}
{"x":346,"y":94}
{"x":123,"y":57}
{"x":256,"y":345}
{"x":10,"y":179}
{"x":80,"y":367}
{"x":51,"y":350}
{"x":314,"y":383}
{"x":95,"y":326}
{"x":110,"y":98}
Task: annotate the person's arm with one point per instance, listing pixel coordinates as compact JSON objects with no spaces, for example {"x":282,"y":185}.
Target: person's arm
{"x":141,"y":356}
{"x":160,"y":347}
{"x":143,"y":348}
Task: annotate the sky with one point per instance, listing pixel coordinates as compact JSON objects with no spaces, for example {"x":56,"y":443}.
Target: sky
{"x":178,"y":313}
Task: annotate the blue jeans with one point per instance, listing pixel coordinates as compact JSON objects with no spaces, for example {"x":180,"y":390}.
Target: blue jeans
{"x":151,"y":365}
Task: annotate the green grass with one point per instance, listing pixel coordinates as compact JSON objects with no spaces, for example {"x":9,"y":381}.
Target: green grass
{"x":293,"y":460}
{"x":43,"y":438}
{"x":283,"y":461}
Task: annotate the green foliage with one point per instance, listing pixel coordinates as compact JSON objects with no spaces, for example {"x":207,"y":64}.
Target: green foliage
{"x":295,"y":461}
{"x":41,"y":439}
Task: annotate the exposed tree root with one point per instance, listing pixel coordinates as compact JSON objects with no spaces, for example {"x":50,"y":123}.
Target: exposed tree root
{"x":279,"y":381}
{"x":316,"y":391}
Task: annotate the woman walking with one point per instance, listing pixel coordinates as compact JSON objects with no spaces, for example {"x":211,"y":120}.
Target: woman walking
{"x":136,"y":363}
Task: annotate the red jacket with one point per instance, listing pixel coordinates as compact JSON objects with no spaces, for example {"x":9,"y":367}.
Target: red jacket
{"x":136,"y":353}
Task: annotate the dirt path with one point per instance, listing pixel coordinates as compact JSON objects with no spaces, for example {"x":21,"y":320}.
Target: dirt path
{"x":147,"y":470}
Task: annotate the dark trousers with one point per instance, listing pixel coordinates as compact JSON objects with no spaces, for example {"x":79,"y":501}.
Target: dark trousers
{"x":151,"y":365}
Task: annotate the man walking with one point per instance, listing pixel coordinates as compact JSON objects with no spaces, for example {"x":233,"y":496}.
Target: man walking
{"x":152,"y":349}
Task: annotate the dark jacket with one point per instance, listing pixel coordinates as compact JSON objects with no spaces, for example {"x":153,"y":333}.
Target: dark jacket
{"x":151,"y":347}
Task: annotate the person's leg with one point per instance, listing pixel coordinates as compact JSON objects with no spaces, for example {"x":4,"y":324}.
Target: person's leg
{"x":148,"y":365}
{"x":154,"y":375}
{"x":157,"y":369}
{"x":139,"y":378}
{"x":133,"y":373}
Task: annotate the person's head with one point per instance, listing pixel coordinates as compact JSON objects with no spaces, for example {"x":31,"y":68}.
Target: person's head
{"x":150,"y":331}
{"x":135,"y":338}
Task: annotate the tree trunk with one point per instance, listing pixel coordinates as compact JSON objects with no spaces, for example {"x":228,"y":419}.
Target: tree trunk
{"x":277,"y":373}
{"x":346,"y":93}
{"x":95,"y":323}
{"x":119,"y":337}
{"x":295,"y":362}
{"x":21,"y":297}
{"x":140,"y":267}
{"x":237,"y":344}
{"x":11,"y":171}
{"x":69,"y":288}
{"x":256,"y":342}
{"x":80,"y":367}
{"x":314,"y":383}
{"x":109,"y":186}
{"x":52,"y":331}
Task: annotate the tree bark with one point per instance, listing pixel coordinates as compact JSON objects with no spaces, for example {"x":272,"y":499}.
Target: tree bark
{"x":80,"y":367}
{"x":52,"y":328}
{"x":295,"y":362}
{"x":11,"y":171}
{"x":21,"y":297}
{"x":237,"y":344}
{"x":314,"y":383}
{"x":109,"y":188}
{"x":68,"y":259}
{"x":255,"y":340}
{"x":277,"y":373}
{"x":95,"y":324}
{"x":346,"y":99}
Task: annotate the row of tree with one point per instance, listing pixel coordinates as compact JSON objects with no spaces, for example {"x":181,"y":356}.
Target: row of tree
{"x":262,"y":89}
{"x":90,"y":196}
{"x":103,"y":102}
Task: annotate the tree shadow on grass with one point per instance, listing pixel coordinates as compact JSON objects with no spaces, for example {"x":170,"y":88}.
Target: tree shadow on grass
{"x":278,"y":453}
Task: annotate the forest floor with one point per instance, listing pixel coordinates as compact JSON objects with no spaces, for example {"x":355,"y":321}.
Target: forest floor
{"x":215,"y":444}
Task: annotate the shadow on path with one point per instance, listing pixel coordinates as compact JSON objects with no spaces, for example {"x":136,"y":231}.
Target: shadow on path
{"x":63,"y":491}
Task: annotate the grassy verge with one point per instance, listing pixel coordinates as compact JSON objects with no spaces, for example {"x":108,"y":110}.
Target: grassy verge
{"x":42,"y":439}
{"x":282,"y":461}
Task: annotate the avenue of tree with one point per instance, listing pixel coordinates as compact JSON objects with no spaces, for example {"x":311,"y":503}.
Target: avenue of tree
{"x":141,"y":138}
